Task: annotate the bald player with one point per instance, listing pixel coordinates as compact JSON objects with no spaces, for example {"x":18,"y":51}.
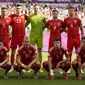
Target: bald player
{"x":27,"y":58}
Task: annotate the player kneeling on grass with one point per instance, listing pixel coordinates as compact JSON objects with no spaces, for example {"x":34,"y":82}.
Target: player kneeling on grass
{"x":4,"y":58}
{"x":27,"y":58}
{"x":55,"y":59}
{"x":79,"y":63}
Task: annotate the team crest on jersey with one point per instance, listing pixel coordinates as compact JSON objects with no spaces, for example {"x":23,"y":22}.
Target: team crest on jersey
{"x":68,"y":22}
{"x":51,"y":24}
{"x":75,"y":21}
{"x":71,"y":25}
{"x":59,"y":24}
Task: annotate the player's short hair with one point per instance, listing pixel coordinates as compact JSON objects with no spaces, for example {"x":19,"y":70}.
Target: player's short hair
{"x":36,"y":5}
{"x":71,"y":7}
{"x":55,"y":10}
{"x":83,"y":38}
{"x":18,"y":6}
{"x":26,"y":37}
{"x":4,"y":7}
{"x":57,"y":39}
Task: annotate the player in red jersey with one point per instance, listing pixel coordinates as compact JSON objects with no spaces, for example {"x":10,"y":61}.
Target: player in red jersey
{"x":4,"y":58}
{"x":73,"y":25}
{"x":27,"y":58}
{"x":79,"y":63}
{"x":55,"y":59}
{"x":56,"y":27}
{"x":18,"y":30}
{"x":4,"y":26}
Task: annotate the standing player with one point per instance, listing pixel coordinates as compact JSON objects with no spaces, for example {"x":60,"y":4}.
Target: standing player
{"x":18,"y":30}
{"x":4,"y":58}
{"x":37,"y":21}
{"x":27,"y":58}
{"x":55,"y":25}
{"x":4,"y":26}
{"x":55,"y":59}
{"x":79,"y":63}
{"x":73,"y":25}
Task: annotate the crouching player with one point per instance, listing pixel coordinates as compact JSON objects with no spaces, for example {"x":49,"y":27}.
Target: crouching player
{"x":4,"y":59}
{"x":27,"y":58}
{"x":79,"y":63}
{"x":55,"y":60}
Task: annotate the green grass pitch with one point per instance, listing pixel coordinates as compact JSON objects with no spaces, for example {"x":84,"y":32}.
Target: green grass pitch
{"x":42,"y":80}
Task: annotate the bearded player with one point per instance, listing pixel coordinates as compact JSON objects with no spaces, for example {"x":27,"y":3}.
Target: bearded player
{"x":27,"y":58}
{"x":73,"y":25}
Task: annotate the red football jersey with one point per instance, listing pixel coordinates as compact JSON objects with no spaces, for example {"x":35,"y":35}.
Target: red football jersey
{"x":81,"y":53}
{"x":4,"y":27}
{"x":72,"y":25}
{"x":26,"y":55}
{"x":55,"y":28}
{"x":3,"y":54}
{"x":57,"y":54}
{"x":18,"y":24}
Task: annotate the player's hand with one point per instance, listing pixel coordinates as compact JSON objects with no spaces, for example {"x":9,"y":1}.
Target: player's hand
{"x":24,"y":66}
{"x":51,"y":74}
{"x":1,"y":64}
{"x":29,"y":66}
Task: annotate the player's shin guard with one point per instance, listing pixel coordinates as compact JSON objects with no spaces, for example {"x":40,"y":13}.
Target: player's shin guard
{"x":67,"y":66}
{"x":40,"y":57}
{"x":75,"y":68}
{"x":45,"y":66}
{"x":40,"y":60}
{"x":7,"y":68}
{"x":17,"y":68}
{"x":12,"y":59}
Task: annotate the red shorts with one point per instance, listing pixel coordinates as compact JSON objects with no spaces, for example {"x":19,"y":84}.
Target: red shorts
{"x":17,"y":41}
{"x":6,"y":42}
{"x":73,"y":43}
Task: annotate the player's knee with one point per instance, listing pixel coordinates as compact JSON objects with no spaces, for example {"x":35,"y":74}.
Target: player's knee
{"x":68,"y":63}
{"x":62,"y":65}
{"x":45,"y":63}
{"x":74,"y":62}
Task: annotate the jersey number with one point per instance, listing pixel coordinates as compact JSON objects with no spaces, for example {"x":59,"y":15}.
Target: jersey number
{"x":18,"y":20}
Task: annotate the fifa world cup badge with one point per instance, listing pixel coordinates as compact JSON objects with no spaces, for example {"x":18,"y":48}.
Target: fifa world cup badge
{"x":4,"y":25}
